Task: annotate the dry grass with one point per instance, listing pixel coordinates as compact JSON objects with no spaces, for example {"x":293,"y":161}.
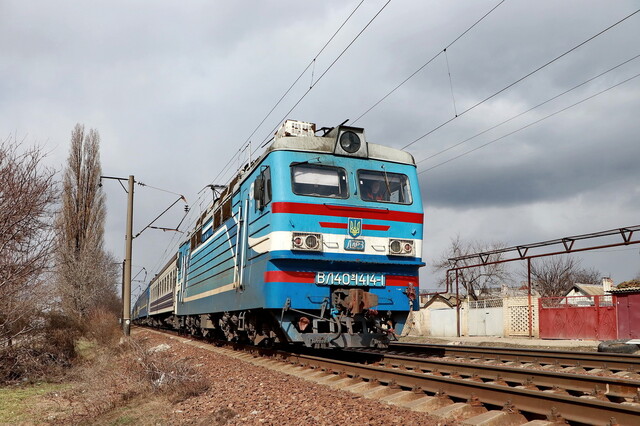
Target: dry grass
{"x":115,"y":376}
{"x":103,"y":373}
{"x":175,"y":379}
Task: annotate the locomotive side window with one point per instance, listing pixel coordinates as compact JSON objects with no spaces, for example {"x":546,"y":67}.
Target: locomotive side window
{"x":262,"y":189}
{"x":384,"y":187}
{"x":319,"y":181}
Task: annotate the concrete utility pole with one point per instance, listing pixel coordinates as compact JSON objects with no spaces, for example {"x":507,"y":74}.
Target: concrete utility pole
{"x":126,"y":265}
{"x":126,"y":290}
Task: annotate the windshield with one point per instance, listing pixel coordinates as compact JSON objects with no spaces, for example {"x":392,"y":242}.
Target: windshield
{"x":384,"y":187}
{"x":319,"y":181}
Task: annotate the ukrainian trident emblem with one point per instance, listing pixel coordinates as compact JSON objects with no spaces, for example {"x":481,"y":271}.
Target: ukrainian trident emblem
{"x":355,"y":227}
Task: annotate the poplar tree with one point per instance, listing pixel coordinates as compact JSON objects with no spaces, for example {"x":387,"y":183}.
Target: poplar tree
{"x":86,"y":274}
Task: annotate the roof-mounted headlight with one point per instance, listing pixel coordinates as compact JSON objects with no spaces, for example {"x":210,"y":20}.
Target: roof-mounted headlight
{"x":350,"y":142}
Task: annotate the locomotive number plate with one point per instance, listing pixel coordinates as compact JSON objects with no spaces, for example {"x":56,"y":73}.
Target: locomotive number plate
{"x":354,"y":245}
{"x":360,"y":279}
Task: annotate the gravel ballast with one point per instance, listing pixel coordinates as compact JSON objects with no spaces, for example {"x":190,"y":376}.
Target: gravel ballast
{"x":240,"y":393}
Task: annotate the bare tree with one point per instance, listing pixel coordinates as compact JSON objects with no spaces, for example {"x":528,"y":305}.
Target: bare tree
{"x":587,"y":276}
{"x":554,"y":276}
{"x":27,"y":197}
{"x":86,"y":274}
{"x":473,"y":280}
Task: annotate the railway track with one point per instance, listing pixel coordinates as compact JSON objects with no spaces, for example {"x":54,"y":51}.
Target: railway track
{"x":479,"y":395}
{"x":474,"y":392}
{"x":587,"y":360}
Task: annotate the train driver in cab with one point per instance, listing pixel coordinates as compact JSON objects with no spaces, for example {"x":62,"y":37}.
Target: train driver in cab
{"x":375,"y":192}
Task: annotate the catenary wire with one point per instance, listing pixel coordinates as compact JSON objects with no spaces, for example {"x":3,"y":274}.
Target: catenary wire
{"x":529,"y":74}
{"x":303,"y":72}
{"x":528,"y":110}
{"x":312,"y":85}
{"x":325,"y":72}
{"x":237,"y":153}
{"x":428,"y":62}
{"x":530,"y":124}
{"x":162,"y":190}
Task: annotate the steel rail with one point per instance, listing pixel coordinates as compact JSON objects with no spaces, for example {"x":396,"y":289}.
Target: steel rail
{"x":606,"y":361}
{"x":572,"y":408}
{"x":587,"y":384}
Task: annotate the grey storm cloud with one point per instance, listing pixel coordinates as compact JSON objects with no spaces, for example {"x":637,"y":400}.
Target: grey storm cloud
{"x":175,"y":90}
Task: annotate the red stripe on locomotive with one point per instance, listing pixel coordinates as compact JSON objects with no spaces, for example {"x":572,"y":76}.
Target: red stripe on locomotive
{"x":309,"y":278}
{"x":346,"y":211}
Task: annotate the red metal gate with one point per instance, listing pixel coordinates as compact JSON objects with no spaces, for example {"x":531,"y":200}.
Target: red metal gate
{"x":628,"y":306}
{"x":578,"y":317}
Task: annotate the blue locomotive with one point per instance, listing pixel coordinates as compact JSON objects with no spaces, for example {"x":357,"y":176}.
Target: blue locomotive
{"x":317,"y":242}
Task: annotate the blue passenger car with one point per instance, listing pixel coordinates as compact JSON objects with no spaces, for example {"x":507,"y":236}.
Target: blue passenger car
{"x":141,"y":307}
{"x":317,"y":242}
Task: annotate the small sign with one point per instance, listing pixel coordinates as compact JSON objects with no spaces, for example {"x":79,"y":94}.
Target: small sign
{"x":354,"y":245}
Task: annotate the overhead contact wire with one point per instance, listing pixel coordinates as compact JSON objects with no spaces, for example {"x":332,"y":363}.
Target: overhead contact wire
{"x":522,"y":78}
{"x":428,"y":62}
{"x":287,"y":91}
{"x":313,"y":61}
{"x":453,"y":98}
{"x":528,"y":110}
{"x":530,"y":124}
{"x":325,"y":72}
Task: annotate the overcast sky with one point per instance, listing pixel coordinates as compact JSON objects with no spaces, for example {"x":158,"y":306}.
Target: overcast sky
{"x":176,"y":88}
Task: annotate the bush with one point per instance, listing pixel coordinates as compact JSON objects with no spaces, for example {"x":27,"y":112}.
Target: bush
{"x":102,"y":327}
{"x":175,"y":379}
{"x":44,"y":353}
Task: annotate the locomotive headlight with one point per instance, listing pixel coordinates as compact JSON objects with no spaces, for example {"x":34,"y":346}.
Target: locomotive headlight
{"x":311,"y":241}
{"x":401,"y":247}
{"x":350,"y":142}
{"x":306,"y":241}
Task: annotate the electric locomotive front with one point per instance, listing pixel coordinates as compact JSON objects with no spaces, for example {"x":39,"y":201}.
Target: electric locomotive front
{"x":344,"y":240}
{"x":317,"y":242}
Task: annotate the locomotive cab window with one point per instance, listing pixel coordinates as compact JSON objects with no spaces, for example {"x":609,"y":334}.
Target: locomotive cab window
{"x":384,"y":187}
{"x":262,"y":189}
{"x":319,"y":181}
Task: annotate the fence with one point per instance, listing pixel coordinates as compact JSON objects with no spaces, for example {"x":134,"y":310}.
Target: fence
{"x":486,"y":317}
{"x":577,"y":317}
{"x":491,"y":317}
{"x":517,"y":316}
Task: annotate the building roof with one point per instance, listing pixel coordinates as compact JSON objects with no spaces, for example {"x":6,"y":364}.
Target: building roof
{"x":588,"y":289}
{"x":447,"y":298}
{"x":632,"y":286}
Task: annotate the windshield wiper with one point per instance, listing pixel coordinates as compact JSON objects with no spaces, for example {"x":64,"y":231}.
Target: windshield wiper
{"x":386,"y":181}
{"x":315,"y":160}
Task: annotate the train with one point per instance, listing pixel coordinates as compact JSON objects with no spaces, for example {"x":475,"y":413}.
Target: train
{"x":317,"y":242}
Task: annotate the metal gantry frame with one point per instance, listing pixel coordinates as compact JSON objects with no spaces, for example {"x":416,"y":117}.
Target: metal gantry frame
{"x":521,"y":252}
